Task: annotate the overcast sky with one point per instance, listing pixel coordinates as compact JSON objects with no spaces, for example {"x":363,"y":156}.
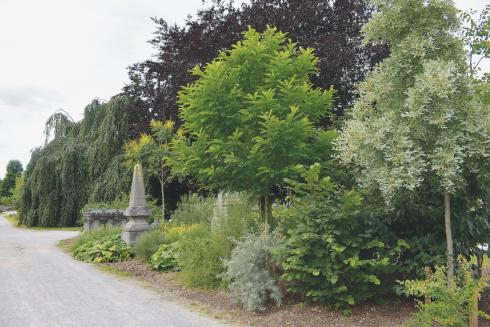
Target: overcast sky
{"x":63,"y":53}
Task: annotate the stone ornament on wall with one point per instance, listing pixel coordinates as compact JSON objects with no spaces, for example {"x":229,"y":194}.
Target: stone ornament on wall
{"x":94,"y":219}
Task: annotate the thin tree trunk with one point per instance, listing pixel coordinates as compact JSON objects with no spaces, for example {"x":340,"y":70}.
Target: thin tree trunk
{"x":449,"y":239}
{"x":163,"y":200}
{"x":265,"y":206}
{"x":268,"y":213}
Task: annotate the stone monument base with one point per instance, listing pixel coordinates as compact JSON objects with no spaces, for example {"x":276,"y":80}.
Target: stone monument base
{"x":134,"y":228}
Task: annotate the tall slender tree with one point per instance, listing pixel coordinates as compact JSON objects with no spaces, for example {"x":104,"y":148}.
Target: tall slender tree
{"x":417,"y":122}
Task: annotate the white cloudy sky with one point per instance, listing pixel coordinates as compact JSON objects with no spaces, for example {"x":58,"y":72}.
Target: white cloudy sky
{"x":63,"y":53}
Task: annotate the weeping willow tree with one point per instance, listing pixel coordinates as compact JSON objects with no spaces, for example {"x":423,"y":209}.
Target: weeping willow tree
{"x":83,"y":162}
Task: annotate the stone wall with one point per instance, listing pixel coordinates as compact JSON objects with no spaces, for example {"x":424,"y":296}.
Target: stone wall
{"x":94,"y":219}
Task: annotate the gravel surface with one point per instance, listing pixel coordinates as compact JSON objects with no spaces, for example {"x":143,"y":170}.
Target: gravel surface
{"x":42,"y":286}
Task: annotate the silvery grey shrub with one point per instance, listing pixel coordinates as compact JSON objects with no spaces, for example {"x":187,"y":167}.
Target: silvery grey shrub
{"x":249,"y":272}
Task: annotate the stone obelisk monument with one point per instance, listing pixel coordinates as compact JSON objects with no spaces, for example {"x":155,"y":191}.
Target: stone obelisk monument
{"x":137,"y":212}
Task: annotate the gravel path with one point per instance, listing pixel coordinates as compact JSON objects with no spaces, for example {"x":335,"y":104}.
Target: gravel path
{"x":42,"y":286}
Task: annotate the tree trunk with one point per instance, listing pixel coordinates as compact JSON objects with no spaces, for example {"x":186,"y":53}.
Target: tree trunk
{"x":265,"y":206}
{"x":449,"y":239}
{"x":163,"y":200}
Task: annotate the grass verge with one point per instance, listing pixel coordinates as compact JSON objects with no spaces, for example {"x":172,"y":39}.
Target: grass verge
{"x":14,"y":220}
{"x":67,"y":245}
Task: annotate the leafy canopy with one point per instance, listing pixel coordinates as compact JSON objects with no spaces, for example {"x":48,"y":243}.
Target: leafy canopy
{"x":14,"y":170}
{"x":416,"y":119}
{"x":83,"y":163}
{"x":250,"y":115}
{"x":332,"y":29}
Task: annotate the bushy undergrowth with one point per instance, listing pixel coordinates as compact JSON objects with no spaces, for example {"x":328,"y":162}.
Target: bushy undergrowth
{"x":449,"y":306}
{"x":148,"y":243}
{"x":106,"y":249}
{"x":333,"y":252}
{"x":165,"y":258}
{"x":89,"y":236}
{"x":249,"y":272}
{"x":194,"y":209}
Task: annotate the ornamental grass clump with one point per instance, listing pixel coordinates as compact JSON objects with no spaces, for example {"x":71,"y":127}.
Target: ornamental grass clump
{"x":239,"y":216}
{"x":194,"y":209}
{"x":249,"y":272}
{"x":148,"y":244}
{"x":201,"y":257}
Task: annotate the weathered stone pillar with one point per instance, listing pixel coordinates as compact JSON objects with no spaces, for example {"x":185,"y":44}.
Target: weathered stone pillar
{"x":137,"y":212}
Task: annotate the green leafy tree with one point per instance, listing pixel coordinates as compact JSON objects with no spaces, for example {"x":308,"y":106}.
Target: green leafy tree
{"x":153,"y":152}
{"x":18,"y":191}
{"x":14,"y":170}
{"x":250,"y":117}
{"x":476,"y":33}
{"x":416,"y":122}
{"x":82,"y":163}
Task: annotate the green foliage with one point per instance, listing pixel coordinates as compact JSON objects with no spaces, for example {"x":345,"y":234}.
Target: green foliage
{"x":201,"y":257}
{"x":249,"y":272}
{"x":106,"y":249}
{"x":165,"y":258}
{"x":334,"y":251}
{"x":121,"y":202}
{"x":249,"y":116}
{"x":18,"y":191}
{"x":153,"y":152}
{"x":239,"y":216}
{"x":14,"y":170}
{"x":449,"y":306}
{"x":476,"y":34}
{"x":415,"y":121}
{"x":419,"y":125}
{"x":148,"y":243}
{"x":194,"y":209}
{"x":81,"y":164}
{"x":174,"y":232}
{"x":91,"y":236}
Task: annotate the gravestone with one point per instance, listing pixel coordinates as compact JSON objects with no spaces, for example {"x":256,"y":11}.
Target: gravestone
{"x":137,"y":212}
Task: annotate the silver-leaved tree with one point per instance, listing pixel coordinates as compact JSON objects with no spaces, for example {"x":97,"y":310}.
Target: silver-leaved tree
{"x":417,"y":121}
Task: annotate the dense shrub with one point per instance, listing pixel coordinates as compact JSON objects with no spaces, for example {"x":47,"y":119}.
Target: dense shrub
{"x":249,"y":271}
{"x":449,"y":306}
{"x":333,"y":251}
{"x":90,"y":236}
{"x":148,"y":243}
{"x":107,"y":249}
{"x":165,"y":258}
{"x":239,"y":216}
{"x":194,"y":209}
